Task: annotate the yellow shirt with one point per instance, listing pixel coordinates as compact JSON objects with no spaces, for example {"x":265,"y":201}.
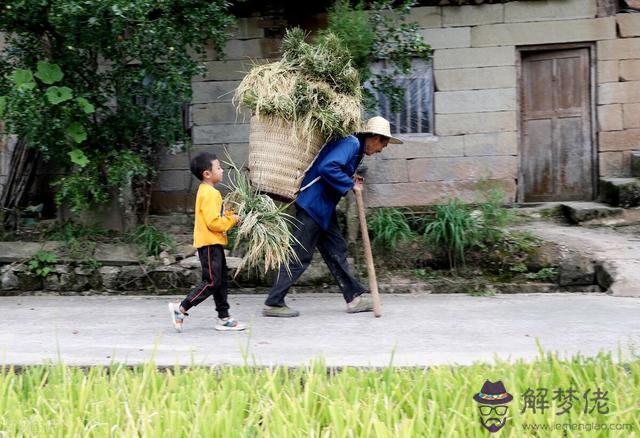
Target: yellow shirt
{"x":211,"y":222}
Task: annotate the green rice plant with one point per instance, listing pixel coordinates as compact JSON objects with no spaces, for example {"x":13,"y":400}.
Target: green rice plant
{"x":388,"y":226}
{"x":314,"y":87}
{"x":455,"y":229}
{"x":311,"y":401}
{"x":263,"y":230}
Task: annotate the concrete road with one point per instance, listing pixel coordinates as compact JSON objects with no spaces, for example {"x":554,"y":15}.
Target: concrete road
{"x":414,"y":330}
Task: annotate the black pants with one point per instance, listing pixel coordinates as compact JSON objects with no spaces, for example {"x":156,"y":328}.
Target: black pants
{"x":214,"y":281}
{"x":333,"y":249}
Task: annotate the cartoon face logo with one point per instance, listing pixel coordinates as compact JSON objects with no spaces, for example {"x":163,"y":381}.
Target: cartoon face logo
{"x":493,"y":399}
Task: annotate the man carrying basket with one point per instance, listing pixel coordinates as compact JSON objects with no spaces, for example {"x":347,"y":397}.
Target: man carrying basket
{"x":330,"y":178}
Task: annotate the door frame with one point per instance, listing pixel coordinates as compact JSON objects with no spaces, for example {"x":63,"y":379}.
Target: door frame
{"x":520,"y":50}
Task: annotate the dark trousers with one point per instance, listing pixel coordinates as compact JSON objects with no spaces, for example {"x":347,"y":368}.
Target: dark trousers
{"x":333,"y":249}
{"x":214,"y":280}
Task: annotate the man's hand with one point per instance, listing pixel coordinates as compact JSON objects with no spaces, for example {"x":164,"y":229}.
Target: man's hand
{"x":359,"y":183}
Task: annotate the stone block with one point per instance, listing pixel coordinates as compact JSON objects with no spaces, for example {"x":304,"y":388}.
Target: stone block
{"x":610,"y":117}
{"x":216,"y":91}
{"x":218,"y":113}
{"x":630,"y":70}
{"x":109,"y":277}
{"x":381,"y":171}
{"x":8,"y":280}
{"x":576,"y":269}
{"x":621,"y":192}
{"x":614,"y":164}
{"x":475,"y":78}
{"x":608,"y":71}
{"x":447,"y":38}
{"x":474,"y":57}
{"x":626,"y":48}
{"x":549,"y":10}
{"x":28,"y":281}
{"x":215,"y":134}
{"x":577,"y":212}
{"x":620,"y":140}
{"x":175,"y":180}
{"x":463,"y":168}
{"x":427,"y":16}
{"x":494,"y":143}
{"x":19,"y":251}
{"x":131,"y":278}
{"x":472,"y":15}
{"x":433,"y":192}
{"x":619,"y":92}
{"x":115,"y":255}
{"x":246,"y":49}
{"x":432,"y":147}
{"x":635,"y":164}
{"x":631,"y":115}
{"x":475,"y":101}
{"x":475,"y":123}
{"x":544,"y":32}
{"x":238,"y":152}
{"x":227,"y":70}
{"x":628,"y":25}
{"x":247,"y":27}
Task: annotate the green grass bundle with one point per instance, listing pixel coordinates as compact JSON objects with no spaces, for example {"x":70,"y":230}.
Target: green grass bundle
{"x":313,"y":86}
{"x":263,"y":231}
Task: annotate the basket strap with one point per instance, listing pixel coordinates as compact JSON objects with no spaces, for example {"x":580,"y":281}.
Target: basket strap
{"x":316,"y":179}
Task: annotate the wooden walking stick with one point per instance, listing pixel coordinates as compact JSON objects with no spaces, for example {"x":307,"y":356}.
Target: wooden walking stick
{"x":371,"y":270}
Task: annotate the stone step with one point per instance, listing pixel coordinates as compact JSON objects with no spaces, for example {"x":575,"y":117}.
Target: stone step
{"x":577,"y":212}
{"x":620,"y":192}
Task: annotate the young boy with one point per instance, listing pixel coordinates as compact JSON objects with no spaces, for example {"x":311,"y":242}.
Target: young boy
{"x":209,"y":238}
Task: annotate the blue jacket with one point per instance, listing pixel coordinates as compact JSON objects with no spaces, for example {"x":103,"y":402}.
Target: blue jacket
{"x":336,"y":164}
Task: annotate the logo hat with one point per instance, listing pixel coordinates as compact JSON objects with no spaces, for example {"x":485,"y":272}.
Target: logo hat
{"x":493,"y":393}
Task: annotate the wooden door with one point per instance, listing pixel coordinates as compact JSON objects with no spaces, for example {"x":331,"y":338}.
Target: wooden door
{"x":557,"y":148}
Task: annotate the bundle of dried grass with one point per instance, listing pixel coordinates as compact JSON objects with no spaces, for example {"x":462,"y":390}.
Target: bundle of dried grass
{"x":263,"y":231}
{"x":314,"y":87}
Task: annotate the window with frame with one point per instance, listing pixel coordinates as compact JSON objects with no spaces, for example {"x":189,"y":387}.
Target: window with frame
{"x":416,"y":114}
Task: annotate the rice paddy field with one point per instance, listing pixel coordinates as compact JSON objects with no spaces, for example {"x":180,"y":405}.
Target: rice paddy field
{"x":317,"y":401}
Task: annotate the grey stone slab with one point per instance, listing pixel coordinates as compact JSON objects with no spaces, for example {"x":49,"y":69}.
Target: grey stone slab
{"x":17,"y":251}
{"x":116,"y":254}
{"x":578,"y":212}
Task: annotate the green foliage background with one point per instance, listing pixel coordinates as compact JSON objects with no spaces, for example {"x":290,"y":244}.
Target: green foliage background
{"x":97,"y":86}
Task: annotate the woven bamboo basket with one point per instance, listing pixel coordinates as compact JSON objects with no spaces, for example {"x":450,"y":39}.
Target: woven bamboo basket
{"x":279,"y":156}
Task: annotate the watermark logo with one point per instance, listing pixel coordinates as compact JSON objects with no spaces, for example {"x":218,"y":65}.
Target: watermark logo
{"x":492,"y":404}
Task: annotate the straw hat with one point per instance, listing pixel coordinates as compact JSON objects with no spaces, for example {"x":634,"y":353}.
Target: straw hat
{"x":380,"y":125}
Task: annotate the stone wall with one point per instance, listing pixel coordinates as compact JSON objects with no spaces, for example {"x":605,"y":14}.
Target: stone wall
{"x":619,"y":97}
{"x":217,"y":127}
{"x":476,"y":129}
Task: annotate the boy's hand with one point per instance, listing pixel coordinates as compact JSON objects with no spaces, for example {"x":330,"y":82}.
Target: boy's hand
{"x":236,"y":217}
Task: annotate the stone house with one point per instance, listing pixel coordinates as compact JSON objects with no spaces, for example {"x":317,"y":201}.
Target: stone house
{"x":540,"y":98}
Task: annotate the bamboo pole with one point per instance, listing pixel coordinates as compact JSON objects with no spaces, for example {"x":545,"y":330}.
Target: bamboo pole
{"x":368,"y":255}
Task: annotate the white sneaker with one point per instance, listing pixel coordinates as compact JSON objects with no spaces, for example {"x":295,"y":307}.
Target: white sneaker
{"x":229,"y":324}
{"x":177,"y":317}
